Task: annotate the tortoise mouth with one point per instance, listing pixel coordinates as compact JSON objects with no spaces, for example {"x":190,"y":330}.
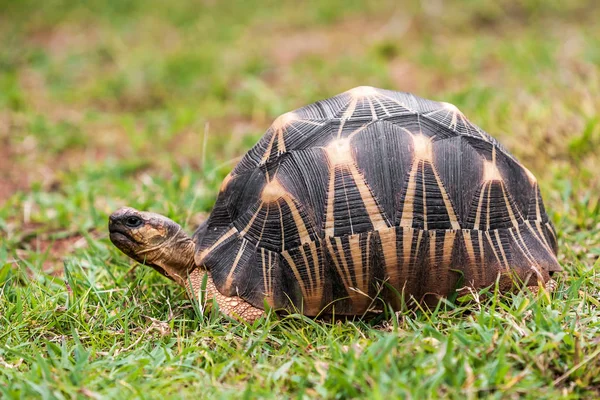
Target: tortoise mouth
{"x":119,"y":235}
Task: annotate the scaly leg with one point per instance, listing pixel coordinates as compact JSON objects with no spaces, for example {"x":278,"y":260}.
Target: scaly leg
{"x":234,"y":306}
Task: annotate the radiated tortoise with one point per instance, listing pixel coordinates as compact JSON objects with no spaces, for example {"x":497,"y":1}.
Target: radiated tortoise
{"x":370,"y":196}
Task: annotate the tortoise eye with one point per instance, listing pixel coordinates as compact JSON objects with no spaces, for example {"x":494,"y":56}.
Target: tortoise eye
{"x":133,"y":222}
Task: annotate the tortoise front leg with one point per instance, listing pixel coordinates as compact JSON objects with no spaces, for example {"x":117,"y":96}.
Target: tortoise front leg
{"x":550,"y":286}
{"x":232,"y":306}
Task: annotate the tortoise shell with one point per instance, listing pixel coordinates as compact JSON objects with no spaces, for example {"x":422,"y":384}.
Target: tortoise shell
{"x":374,"y":193}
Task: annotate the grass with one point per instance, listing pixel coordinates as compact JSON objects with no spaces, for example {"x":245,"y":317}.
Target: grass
{"x":104,"y":104}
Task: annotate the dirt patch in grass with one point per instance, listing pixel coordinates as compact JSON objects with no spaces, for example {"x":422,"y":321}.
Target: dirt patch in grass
{"x":53,"y":247}
{"x":11,"y":177}
{"x":66,"y":38}
{"x":57,"y":250}
{"x":349,"y":36}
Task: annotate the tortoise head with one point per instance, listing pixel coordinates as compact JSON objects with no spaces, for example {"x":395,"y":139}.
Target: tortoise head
{"x":154,"y":240}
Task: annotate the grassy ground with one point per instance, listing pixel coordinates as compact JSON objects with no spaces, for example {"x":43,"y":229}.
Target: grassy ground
{"x":112,"y":103}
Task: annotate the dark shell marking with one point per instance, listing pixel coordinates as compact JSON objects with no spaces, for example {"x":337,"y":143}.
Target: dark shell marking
{"x":374,"y":192}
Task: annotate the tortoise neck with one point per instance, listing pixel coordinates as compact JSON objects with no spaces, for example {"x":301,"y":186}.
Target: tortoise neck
{"x":176,"y":260}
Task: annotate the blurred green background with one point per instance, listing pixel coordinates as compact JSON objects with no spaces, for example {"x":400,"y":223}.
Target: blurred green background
{"x":151,"y":103}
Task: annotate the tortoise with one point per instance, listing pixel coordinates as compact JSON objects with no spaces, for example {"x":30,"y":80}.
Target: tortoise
{"x":371,"y":195}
